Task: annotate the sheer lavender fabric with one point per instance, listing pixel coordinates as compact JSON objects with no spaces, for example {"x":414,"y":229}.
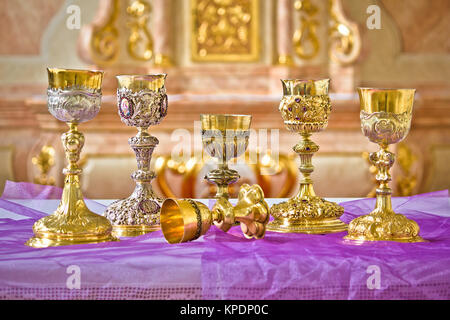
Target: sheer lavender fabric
{"x":227,"y":266}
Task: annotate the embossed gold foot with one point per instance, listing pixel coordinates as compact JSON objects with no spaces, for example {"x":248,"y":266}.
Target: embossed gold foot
{"x":71,"y":223}
{"x":312,"y":215}
{"x":379,"y":226}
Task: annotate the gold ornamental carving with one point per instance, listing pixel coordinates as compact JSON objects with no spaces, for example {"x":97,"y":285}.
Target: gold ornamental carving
{"x":305,"y":40}
{"x":105,"y":38}
{"x":225,"y":30}
{"x":406,"y":181}
{"x":345,"y":41}
{"x":44,"y":161}
{"x":140,"y":41}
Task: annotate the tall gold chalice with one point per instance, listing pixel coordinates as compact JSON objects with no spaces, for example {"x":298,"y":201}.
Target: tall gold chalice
{"x":224,"y":136}
{"x":305,"y":108}
{"x":385,"y":119}
{"x":142,"y":102}
{"x":74,"y":96}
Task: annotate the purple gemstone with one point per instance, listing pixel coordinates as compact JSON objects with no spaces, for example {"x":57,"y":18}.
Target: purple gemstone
{"x":307,"y":148}
{"x":297,"y":118}
{"x":304,"y":109}
{"x":290,"y":109}
{"x":297,"y":100}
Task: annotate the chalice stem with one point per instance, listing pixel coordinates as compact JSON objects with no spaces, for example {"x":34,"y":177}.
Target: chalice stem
{"x":383,"y":160}
{"x":143,"y":145}
{"x":306,"y":149}
{"x":72,"y":197}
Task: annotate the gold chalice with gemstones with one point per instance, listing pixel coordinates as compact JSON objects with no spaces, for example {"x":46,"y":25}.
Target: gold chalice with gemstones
{"x":305,"y":108}
{"x":74,"y":96}
{"x":224,"y":136}
{"x":142,"y":102}
{"x":385,"y":119}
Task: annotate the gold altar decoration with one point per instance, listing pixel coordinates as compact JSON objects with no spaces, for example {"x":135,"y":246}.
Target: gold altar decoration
{"x":103,"y":38}
{"x":186,"y":220}
{"x":305,"y":40}
{"x":373,"y":173}
{"x":385,"y":119}
{"x":142,"y":102}
{"x":140,"y":41}
{"x":305,"y":108}
{"x":74,"y":96}
{"x":224,"y":137}
{"x":407,"y":181}
{"x":225,"y":30}
{"x":345,"y":43}
{"x":44,"y":161}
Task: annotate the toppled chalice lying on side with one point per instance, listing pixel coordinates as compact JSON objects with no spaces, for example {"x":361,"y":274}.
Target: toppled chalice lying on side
{"x":185,"y":220}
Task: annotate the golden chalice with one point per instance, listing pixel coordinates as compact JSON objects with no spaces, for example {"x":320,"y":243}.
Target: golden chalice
{"x":224,"y":137}
{"x":74,"y":96}
{"x":385,"y":119}
{"x":142,"y":102}
{"x":305,"y":108}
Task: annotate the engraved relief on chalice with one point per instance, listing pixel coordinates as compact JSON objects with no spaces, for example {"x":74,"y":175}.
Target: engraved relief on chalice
{"x":305,"y":109}
{"x":74,"y":96}
{"x":385,"y":119}
{"x":142,"y":102}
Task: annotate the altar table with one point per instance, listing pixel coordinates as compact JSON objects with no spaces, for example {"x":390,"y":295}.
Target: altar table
{"x":226,"y":265}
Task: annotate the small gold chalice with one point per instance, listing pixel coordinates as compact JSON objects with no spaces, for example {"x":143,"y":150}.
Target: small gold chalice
{"x":186,"y":220}
{"x":385,"y":119}
{"x":74,"y":96}
{"x":224,"y":136}
{"x":305,"y":108}
{"x":142,"y":102}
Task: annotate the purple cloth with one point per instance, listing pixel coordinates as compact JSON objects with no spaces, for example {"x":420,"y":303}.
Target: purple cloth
{"x":227,"y":266}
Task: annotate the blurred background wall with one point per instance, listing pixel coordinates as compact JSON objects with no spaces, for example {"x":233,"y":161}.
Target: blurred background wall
{"x":227,"y":56}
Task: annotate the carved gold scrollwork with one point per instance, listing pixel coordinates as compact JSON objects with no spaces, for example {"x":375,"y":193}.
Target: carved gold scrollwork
{"x":140,"y":41}
{"x":225,"y":30}
{"x":345,"y":43}
{"x":306,"y":41}
{"x":45,"y":160}
{"x":105,"y":39}
{"x":406,"y":182}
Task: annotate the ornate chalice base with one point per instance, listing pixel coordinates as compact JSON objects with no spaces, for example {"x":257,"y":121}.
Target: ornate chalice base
{"x":382,"y":226}
{"x":136,"y":215}
{"x":71,"y":223}
{"x":309,"y":214}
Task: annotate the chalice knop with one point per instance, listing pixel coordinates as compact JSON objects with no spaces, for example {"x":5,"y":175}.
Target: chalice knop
{"x":74,"y":96}
{"x":142,"y":102}
{"x":224,"y":136}
{"x":385,"y":119}
{"x":305,"y":108}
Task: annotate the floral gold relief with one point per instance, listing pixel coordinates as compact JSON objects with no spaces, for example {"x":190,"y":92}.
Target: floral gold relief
{"x":225,"y":30}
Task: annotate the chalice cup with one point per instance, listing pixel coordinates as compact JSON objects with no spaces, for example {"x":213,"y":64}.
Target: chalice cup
{"x":224,"y":136}
{"x":305,"y":108}
{"x":74,"y":96}
{"x":142,"y":102}
{"x":385,"y":119}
